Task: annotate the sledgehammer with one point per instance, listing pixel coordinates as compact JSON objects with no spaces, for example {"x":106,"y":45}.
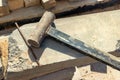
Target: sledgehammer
{"x":44,"y":29}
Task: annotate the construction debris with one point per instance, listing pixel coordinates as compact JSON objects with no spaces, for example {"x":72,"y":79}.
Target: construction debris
{"x":4,"y":56}
{"x":65,"y":74}
{"x":4,"y":10}
{"x":35,"y":9}
{"x":59,"y":56}
{"x":56,"y":56}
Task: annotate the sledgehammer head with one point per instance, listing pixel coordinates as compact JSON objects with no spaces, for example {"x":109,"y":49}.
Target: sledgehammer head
{"x":39,"y":32}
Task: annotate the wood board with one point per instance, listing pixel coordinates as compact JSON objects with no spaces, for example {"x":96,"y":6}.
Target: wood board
{"x":37,"y":11}
{"x":101,"y":35}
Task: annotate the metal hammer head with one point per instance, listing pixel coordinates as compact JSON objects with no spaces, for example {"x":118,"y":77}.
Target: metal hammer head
{"x":40,"y":31}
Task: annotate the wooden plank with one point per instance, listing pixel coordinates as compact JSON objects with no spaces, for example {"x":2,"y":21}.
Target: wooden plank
{"x":15,"y":4}
{"x":103,"y":38}
{"x":29,"y":3}
{"x":4,"y":10}
{"x":32,"y":12}
{"x":65,"y":74}
{"x":50,"y":68}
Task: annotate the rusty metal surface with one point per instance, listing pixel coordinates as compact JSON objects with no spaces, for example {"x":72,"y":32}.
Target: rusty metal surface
{"x":84,"y":48}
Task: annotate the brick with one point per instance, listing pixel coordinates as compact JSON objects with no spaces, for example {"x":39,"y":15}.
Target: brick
{"x":4,"y":54}
{"x":73,"y":0}
{"x":47,"y":4}
{"x":15,"y":4}
{"x":4,"y":10}
{"x":29,"y":3}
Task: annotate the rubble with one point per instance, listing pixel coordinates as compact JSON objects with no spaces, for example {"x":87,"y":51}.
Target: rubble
{"x":31,"y":9}
{"x":4,"y":9}
{"x":50,"y":48}
{"x":58,"y":61}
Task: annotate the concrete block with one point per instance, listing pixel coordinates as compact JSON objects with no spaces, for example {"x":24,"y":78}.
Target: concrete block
{"x":65,"y":74}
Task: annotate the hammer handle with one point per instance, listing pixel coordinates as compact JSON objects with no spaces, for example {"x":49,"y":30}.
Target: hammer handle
{"x":39,"y":33}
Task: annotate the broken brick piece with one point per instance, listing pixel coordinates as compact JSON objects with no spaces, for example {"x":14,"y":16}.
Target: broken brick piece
{"x":4,"y":55}
{"x":47,"y":4}
{"x":4,"y":10}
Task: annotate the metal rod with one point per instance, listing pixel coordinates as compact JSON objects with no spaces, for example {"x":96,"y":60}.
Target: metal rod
{"x":35,"y":57}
